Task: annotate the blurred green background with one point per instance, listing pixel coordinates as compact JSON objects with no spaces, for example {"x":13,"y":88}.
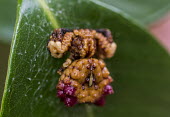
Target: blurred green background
{"x":7,"y":22}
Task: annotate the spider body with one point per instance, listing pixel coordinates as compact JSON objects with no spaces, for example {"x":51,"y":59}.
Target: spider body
{"x":84,"y":79}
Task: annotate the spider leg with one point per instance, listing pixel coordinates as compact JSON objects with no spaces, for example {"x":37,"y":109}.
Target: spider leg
{"x":105,"y":45}
{"x":65,"y":65}
{"x":107,"y":33}
{"x":60,"y":41}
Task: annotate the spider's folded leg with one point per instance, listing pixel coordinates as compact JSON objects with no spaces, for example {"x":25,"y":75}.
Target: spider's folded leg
{"x":59,"y":42}
{"x":105,"y":45}
{"x":65,"y":65}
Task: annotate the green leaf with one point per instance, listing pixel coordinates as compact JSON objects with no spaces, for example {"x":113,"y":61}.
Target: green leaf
{"x":7,"y":20}
{"x":140,"y":67}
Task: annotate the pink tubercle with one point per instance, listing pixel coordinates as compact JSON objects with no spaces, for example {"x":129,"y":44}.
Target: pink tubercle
{"x":108,"y":90}
{"x":70,"y":101}
{"x":100,"y":102}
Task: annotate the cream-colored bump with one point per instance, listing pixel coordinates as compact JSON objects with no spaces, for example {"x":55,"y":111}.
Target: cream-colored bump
{"x":114,"y":47}
{"x":67,"y":63}
{"x":58,"y":46}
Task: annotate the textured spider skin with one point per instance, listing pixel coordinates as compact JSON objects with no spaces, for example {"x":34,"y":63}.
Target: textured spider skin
{"x":84,"y":79}
{"x":78,"y":75}
{"x":82,"y":43}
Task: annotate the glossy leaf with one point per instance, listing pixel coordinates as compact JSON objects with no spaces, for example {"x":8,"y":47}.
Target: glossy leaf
{"x":140,"y":67}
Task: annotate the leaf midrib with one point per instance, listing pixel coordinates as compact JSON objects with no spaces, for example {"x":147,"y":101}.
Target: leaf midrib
{"x":49,"y":14}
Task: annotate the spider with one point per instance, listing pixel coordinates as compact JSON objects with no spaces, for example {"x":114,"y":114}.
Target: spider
{"x":84,"y":79}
